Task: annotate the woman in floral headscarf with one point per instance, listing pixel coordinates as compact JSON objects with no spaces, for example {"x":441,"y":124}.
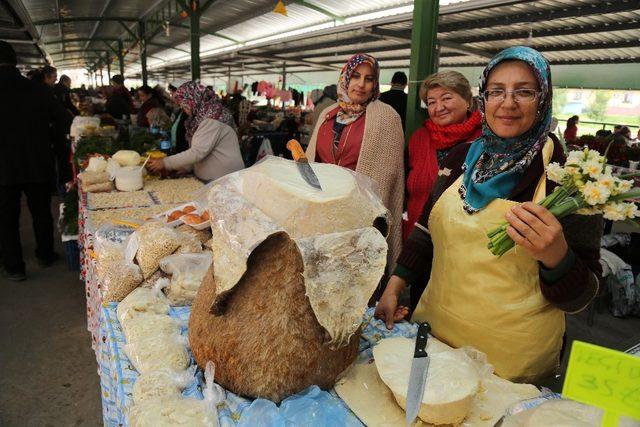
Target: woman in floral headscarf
{"x":511,"y":308}
{"x":364,"y":134}
{"x":213,"y":143}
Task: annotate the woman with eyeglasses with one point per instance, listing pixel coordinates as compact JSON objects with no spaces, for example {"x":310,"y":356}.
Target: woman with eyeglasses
{"x":511,"y":308}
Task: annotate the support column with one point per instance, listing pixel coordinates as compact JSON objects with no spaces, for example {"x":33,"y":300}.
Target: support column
{"x":121,"y":57}
{"x":228,"y":80}
{"x":101,"y":77}
{"x":423,"y":58}
{"x":194,"y":26}
{"x":143,"y":51}
{"x":109,"y":69}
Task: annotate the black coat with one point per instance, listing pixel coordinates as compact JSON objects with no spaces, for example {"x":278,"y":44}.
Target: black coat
{"x":63,"y":94}
{"x":27,"y":112}
{"x":398,"y":100}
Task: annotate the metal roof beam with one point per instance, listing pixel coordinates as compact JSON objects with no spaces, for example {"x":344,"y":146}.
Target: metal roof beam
{"x":589,"y":46}
{"x":598,"y":8}
{"x":81,"y":39}
{"x":550,"y":32}
{"x":85,"y":19}
{"x":457,"y":47}
{"x":281,"y":59}
{"x":315,"y":46}
{"x":402,"y":36}
{"x":77,"y":51}
{"x":557,"y":62}
{"x":166,"y":46}
{"x":97,"y":24}
{"x":20,"y":16}
{"x":319,"y":9}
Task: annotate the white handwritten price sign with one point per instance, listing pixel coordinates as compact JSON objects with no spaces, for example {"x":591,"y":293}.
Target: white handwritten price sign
{"x":604,"y":378}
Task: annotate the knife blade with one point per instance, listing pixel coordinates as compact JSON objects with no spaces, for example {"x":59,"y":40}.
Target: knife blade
{"x":418,"y":375}
{"x":303,"y":164}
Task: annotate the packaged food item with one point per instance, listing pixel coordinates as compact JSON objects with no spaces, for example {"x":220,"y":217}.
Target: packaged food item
{"x":189,"y":244}
{"x":158,"y":351}
{"x":172,"y":411}
{"x":156,"y":242}
{"x":162,"y":383}
{"x":117,"y":273}
{"x":147,"y":325}
{"x":127,"y":158}
{"x":187,"y":272}
{"x":202,"y":235}
{"x":129,"y":178}
{"x":97,"y":164}
{"x":143,"y":300}
{"x":88,"y":177}
{"x":98,"y":188}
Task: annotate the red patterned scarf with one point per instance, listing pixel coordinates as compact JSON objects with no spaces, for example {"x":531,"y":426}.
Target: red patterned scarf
{"x":445,"y":137}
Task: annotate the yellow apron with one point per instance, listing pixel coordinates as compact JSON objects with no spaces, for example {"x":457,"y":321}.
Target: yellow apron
{"x":493,"y":304}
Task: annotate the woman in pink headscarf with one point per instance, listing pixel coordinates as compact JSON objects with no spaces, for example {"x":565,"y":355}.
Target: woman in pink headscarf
{"x":364,"y":134}
{"x":213,"y":143}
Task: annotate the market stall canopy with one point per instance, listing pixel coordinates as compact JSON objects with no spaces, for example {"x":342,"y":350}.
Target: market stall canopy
{"x":247,"y":38}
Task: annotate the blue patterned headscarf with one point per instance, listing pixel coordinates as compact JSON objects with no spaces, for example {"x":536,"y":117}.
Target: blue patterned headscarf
{"x":494,"y":165}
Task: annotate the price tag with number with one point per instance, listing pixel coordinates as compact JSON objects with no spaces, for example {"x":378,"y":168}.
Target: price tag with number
{"x":605,"y":378}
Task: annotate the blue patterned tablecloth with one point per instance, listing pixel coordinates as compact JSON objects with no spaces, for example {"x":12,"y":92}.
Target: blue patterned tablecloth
{"x":117,"y":374}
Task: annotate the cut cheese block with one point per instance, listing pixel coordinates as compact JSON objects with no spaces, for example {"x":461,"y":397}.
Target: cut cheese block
{"x":369,"y":398}
{"x":452,"y":379}
{"x":344,"y":203}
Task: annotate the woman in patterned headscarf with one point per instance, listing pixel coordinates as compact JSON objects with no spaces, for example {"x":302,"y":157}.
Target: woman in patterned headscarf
{"x":213,"y":143}
{"x":511,"y":308}
{"x":364,"y":134}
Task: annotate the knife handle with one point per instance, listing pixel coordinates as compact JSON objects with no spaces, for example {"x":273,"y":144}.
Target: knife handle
{"x":296,"y":151}
{"x":421,"y":340}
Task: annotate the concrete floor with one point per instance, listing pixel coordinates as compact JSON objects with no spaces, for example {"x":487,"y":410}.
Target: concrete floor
{"x":47,"y":367}
{"x":48,"y":371}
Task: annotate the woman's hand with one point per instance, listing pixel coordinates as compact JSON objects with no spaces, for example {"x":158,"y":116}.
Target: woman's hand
{"x":155,"y":165}
{"x":539,"y":232}
{"x":388,"y":309}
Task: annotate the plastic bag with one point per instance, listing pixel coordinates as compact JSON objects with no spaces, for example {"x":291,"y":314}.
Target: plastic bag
{"x":265,"y":149}
{"x":187,"y":272}
{"x":156,"y":242}
{"x":551,"y":409}
{"x":111,"y":233}
{"x":144,"y":300}
{"x":98,"y":188}
{"x":145,"y":325}
{"x":88,"y":177}
{"x":189,"y":243}
{"x":158,"y":351}
{"x":202,"y":235}
{"x":97,"y":164}
{"x":162,"y":383}
{"x":310,"y":408}
{"x":118,"y":275}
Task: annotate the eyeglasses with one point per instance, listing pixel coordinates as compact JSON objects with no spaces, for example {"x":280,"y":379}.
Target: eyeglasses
{"x":523,"y":96}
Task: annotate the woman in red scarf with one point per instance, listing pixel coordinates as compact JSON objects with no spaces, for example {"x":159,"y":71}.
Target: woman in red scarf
{"x":451,"y":122}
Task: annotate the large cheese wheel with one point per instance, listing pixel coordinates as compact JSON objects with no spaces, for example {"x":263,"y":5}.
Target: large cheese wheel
{"x":268,"y":342}
{"x":278,"y":189}
{"x":452,"y":380}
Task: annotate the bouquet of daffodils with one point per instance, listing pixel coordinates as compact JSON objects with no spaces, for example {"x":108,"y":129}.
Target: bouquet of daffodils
{"x":587,"y":187}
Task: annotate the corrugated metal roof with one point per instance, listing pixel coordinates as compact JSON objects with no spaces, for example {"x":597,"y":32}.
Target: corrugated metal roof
{"x":566,"y":31}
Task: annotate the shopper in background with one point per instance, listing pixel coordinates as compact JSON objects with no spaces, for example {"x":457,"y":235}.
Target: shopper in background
{"x":27,"y":110}
{"x":150,"y":99}
{"x":119,"y":102}
{"x":62,"y":90}
{"x":50,"y":75}
{"x":328,"y":97}
{"x":571,"y":132}
{"x":518,"y":301}
{"x":396,"y":97}
{"x":364,"y":134}
{"x":214,"y":150}
{"x":452,"y":121}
